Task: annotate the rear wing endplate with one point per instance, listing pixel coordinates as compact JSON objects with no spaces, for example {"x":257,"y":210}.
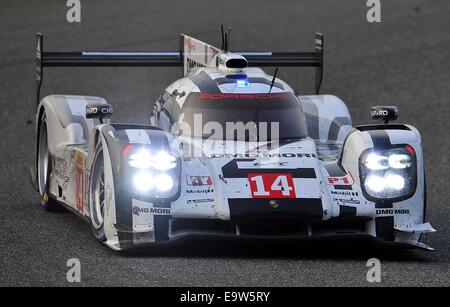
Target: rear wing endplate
{"x":184,"y":57}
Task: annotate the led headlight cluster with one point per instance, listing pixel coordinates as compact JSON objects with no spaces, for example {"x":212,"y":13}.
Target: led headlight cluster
{"x":143,"y":159}
{"x":152,"y":173}
{"x":389,"y":174}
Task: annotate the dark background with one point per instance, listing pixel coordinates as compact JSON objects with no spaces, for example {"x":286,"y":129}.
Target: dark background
{"x":402,"y":61}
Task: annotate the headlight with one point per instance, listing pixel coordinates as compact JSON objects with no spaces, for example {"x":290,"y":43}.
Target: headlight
{"x":143,"y":181}
{"x":165,"y":182}
{"x":389,"y":174}
{"x":146,"y":181}
{"x":151,"y":173}
{"x":144,"y":159}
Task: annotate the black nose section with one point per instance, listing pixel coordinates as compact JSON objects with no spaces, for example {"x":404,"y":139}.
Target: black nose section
{"x":99,"y":111}
{"x":384,"y":113}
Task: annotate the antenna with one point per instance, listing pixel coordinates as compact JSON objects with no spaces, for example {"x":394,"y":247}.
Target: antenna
{"x":273,"y":79}
{"x":226,"y":42}
{"x":228,"y":38}
{"x":223,"y":38}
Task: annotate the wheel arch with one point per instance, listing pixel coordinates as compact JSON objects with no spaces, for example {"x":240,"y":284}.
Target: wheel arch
{"x":39,"y":113}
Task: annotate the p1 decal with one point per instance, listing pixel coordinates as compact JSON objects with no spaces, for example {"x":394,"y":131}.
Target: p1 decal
{"x":80,"y":181}
{"x":271,"y":185}
{"x":343,"y":180}
{"x":198,"y":180}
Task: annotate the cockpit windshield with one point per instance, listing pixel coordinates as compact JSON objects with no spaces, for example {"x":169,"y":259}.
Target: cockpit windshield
{"x":249,"y":117}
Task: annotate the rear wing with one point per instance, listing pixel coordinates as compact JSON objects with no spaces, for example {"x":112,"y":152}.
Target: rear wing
{"x":292,"y":59}
{"x":192,"y":53}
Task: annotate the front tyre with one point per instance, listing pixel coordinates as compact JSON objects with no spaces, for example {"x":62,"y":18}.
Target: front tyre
{"x":44,"y":168}
{"x":97,"y":194}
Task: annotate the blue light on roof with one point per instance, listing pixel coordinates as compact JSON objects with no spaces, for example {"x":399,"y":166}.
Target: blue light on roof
{"x":242,"y":83}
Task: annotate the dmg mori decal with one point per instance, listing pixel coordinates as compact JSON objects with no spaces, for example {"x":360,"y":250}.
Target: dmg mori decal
{"x":156,"y":211}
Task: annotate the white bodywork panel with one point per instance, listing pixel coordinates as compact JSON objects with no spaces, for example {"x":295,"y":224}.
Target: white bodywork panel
{"x":327,"y":117}
{"x":211,"y":200}
{"x":69,"y":131}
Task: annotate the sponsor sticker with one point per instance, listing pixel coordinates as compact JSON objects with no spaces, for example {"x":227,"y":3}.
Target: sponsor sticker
{"x":190,"y":45}
{"x":344,"y":193}
{"x":200,"y":201}
{"x":203,"y":191}
{"x":243,"y":96}
{"x":61,"y":169}
{"x":197,"y":181}
{"x":343,"y":180}
{"x":150,"y":210}
{"x":143,"y":214}
{"x":255,"y":155}
{"x":391,"y":212}
{"x":348,"y":201}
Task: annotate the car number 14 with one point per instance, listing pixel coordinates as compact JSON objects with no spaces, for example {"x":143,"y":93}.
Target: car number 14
{"x":271,"y":185}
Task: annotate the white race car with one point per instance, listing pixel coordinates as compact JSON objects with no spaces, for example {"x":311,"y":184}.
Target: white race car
{"x":230,"y":152}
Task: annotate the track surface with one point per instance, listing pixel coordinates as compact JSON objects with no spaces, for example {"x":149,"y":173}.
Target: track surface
{"x":402,"y":61}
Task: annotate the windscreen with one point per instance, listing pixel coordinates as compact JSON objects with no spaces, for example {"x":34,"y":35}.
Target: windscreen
{"x":249,"y":117}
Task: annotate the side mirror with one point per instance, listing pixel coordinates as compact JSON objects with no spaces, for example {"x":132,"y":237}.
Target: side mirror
{"x":384,"y":113}
{"x":99,"y":111}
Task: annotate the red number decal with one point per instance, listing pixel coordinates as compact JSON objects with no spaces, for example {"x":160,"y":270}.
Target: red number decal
{"x":271,"y":185}
{"x":80,"y":188}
